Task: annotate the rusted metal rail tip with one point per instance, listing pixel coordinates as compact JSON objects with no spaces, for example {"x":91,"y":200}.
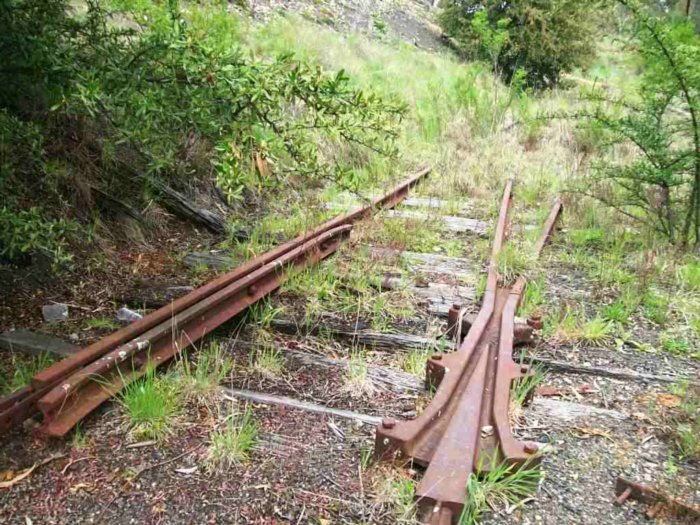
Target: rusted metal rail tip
{"x":70,"y":389}
{"x":658,"y":501}
{"x":465,"y":428}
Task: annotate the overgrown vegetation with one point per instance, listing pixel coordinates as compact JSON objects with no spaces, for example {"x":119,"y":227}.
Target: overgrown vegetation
{"x":503,"y":485}
{"x":655,"y":177}
{"x":199,"y":374}
{"x":150,"y":405}
{"x":143,"y":95}
{"x":541,"y":38}
{"x":232,"y":444}
{"x":21,"y":369}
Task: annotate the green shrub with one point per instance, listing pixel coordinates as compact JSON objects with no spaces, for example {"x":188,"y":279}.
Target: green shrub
{"x":128,"y":95}
{"x":542,"y":37}
{"x":27,"y":231}
{"x":658,"y":185}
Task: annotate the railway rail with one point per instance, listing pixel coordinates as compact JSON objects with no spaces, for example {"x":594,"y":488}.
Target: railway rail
{"x":72,"y":388}
{"x":466,"y":427}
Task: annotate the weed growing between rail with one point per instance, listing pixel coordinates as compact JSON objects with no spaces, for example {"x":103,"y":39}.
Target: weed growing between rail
{"x":199,"y":374}
{"x":357,"y":382}
{"x":233,"y":443}
{"x":150,"y":405}
{"x":503,"y":486}
{"x":267,"y":361}
{"x":19,"y":369}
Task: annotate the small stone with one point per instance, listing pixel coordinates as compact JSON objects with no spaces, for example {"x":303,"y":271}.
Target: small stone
{"x":55,"y":313}
{"x":74,"y":337}
{"x":127,"y":316}
{"x":486,"y":431}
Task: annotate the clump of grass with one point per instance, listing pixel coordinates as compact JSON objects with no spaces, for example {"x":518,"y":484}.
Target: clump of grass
{"x":398,"y":490}
{"x":570,"y":328}
{"x":675,"y":345}
{"x":410,"y":234}
{"x":521,"y":388}
{"x":597,"y":331}
{"x":150,"y":405}
{"x":562,"y":327}
{"x":513,"y":262}
{"x":480,"y":289}
{"x":685,"y":421}
{"x":79,"y":440}
{"x":267,"y":361}
{"x":199,"y":381}
{"x":22,"y":369}
{"x":101,"y":323}
{"x":357,"y":380}
{"x":263,"y":312}
{"x":617,"y":312}
{"x":588,"y":238}
{"x":533,"y":298}
{"x":414,"y":362}
{"x":502,"y":486}
{"x":232,"y":444}
{"x":689,"y":276}
{"x":656,"y":308}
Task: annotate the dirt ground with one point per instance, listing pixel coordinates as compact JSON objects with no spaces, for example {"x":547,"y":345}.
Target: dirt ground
{"x":309,"y":468}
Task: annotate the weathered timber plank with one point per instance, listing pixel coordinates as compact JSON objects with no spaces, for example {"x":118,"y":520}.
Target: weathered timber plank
{"x":547,"y":409}
{"x":216,"y":259}
{"x":271,"y":399}
{"x":450,"y":222}
{"x":616,"y":373}
{"x":182,"y":206}
{"x":35,"y":343}
{"x":382,"y":377}
{"x":432,"y":202}
{"x":359,"y":336}
{"x":428,"y":263}
{"x":153,"y":296}
{"x":439,"y":296}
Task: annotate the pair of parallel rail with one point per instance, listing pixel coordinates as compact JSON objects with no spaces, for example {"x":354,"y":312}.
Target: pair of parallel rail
{"x":464,"y":429}
{"x":70,"y":389}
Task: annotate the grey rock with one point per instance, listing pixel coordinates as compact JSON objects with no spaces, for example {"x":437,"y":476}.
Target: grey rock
{"x":35,"y":343}
{"x":55,"y":313}
{"x":127,"y":316}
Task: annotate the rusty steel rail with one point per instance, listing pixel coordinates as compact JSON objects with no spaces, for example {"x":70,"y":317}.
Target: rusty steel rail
{"x":52,"y":395}
{"x":658,"y":501}
{"x":61,"y":369}
{"x":81,"y":393}
{"x":465,"y":428}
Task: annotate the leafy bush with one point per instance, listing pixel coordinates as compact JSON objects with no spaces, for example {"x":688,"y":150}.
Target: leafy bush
{"x":542,"y":37}
{"x":27,"y":231}
{"x":659,"y":184}
{"x":168,"y":94}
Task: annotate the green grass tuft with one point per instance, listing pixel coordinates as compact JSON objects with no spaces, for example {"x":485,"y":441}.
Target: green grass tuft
{"x":101,"y":323}
{"x":232,"y":444}
{"x":513,"y":262}
{"x":267,"y":361}
{"x":151,"y":405}
{"x":199,"y":374}
{"x":21,"y":369}
{"x":503,"y":485}
{"x":357,"y":380}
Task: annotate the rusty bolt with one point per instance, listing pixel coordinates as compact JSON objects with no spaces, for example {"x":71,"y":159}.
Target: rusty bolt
{"x":457,"y":306}
{"x":388,"y":423}
{"x":531,"y":447}
{"x":436,"y":357}
{"x":524,"y":369}
{"x":252,"y":289}
{"x":535,"y":321}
